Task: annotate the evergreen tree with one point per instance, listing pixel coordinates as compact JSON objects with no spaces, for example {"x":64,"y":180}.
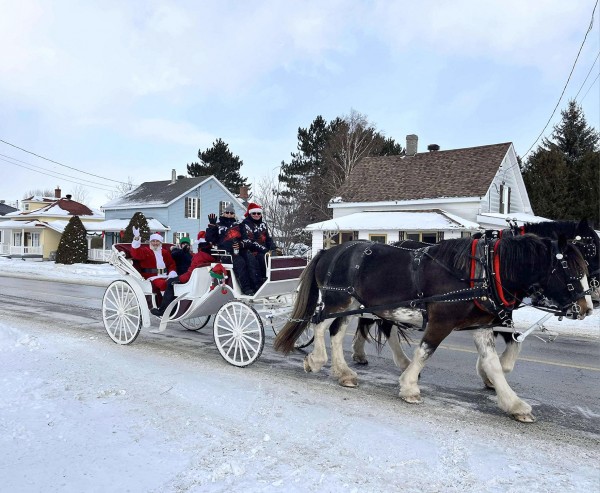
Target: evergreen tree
{"x":72,"y":248}
{"x":138,"y":220}
{"x":562,"y":175}
{"x":220,"y":162}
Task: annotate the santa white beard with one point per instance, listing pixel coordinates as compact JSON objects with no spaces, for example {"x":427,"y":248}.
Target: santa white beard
{"x":156,"y":248}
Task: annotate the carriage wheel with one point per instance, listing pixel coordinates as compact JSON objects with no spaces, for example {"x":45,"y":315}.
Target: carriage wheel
{"x":195,"y":323}
{"x":121,"y":312}
{"x":277,"y":322}
{"x":239,"y":333}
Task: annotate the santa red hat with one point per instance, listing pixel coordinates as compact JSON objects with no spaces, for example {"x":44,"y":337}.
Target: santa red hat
{"x":252,"y":207}
{"x":201,"y":237}
{"x":156,"y":236}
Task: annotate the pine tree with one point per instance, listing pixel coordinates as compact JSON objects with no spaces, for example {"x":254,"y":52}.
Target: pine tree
{"x":72,"y":248}
{"x":220,"y":162}
{"x":138,"y":220}
{"x":562,"y":175}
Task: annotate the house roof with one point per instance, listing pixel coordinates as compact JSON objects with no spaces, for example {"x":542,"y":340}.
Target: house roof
{"x":464,"y":172}
{"x":426,"y":220}
{"x":6,"y":209}
{"x":60,"y":207}
{"x":155,"y":193}
{"x":114,"y":225}
{"x":58,"y":226}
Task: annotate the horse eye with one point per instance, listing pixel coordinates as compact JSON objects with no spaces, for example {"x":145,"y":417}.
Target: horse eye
{"x":559,"y":256}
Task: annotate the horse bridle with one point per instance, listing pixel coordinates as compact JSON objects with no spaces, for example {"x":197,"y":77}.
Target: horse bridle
{"x":587,"y":246}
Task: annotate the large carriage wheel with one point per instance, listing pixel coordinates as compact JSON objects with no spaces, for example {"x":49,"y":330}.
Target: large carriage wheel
{"x":195,"y":323}
{"x":277,"y":322}
{"x":121,"y":312}
{"x":239,"y":333}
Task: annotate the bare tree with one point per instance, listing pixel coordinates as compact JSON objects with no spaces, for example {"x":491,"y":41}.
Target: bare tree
{"x":80,"y":194}
{"x":39,"y":192}
{"x":281,"y":213}
{"x":121,"y":189}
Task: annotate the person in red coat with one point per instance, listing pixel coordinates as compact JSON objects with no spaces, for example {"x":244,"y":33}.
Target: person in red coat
{"x":201,"y":259}
{"x":156,"y":263}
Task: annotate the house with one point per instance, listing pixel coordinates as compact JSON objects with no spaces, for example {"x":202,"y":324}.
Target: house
{"x":181,"y":204}
{"x":35,"y":233}
{"x":427,"y":196}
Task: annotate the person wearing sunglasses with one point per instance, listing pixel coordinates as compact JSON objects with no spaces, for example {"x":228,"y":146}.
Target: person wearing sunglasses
{"x":257,"y":242}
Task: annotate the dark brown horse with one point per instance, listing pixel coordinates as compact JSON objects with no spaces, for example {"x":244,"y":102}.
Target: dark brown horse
{"x":394,"y":283}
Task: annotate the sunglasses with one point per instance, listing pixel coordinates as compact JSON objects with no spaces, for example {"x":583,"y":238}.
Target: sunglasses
{"x":229,"y":213}
{"x":256,"y":213}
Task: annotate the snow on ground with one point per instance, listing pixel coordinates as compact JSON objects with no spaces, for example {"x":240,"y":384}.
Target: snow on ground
{"x":80,"y":413}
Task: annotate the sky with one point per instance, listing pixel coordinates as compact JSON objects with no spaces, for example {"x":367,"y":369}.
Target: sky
{"x":80,"y":413}
{"x":121,"y":91}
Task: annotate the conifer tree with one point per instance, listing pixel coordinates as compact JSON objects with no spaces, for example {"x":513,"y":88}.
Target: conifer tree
{"x":72,"y":248}
{"x":138,"y":220}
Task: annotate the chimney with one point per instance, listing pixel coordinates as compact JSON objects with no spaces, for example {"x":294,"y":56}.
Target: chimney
{"x":173,"y":176}
{"x":244,"y":193}
{"x":433,"y":147}
{"x":68,"y":196}
{"x":411,"y":144}
{"x":57,"y":192}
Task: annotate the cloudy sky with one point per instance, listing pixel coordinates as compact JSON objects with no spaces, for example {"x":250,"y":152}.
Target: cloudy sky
{"x":133,"y":89}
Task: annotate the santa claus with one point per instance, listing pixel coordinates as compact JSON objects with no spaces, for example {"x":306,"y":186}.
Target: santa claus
{"x":156,"y":263}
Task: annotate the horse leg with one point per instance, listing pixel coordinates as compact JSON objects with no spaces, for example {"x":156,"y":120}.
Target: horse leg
{"x":358,"y":344}
{"x":490,"y":363}
{"x":314,"y":361}
{"x":409,"y":388}
{"x":346,"y":377}
{"x":508,"y":358}
{"x":400,"y":359}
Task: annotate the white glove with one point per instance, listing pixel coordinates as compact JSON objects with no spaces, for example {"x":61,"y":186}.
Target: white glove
{"x":136,"y":232}
{"x":172,"y":274}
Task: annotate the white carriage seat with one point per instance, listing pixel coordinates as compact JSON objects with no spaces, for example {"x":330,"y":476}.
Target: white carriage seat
{"x":198,"y":284}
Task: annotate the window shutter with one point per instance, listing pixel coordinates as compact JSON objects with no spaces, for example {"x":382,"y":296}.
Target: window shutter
{"x":508,"y":202}
{"x":501,"y":200}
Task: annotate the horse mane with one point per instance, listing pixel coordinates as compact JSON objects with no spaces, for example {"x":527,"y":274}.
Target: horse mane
{"x":454,"y":253}
{"x":551,"y":229}
{"x":518,"y":250}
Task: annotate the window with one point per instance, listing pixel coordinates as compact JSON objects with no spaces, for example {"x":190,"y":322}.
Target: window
{"x":379,"y":238}
{"x":177,"y":236}
{"x":17,"y":239}
{"x":191,"y":207}
{"x":222,"y":206}
{"x":504,"y":199}
{"x":26,"y":207}
{"x":331,"y":238}
{"x":425,"y":237}
{"x":466,"y":234}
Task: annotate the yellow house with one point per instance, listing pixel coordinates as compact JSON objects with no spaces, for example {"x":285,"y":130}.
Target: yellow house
{"x":36,"y":232}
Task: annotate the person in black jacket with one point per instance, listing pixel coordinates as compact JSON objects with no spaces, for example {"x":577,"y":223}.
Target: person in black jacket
{"x":225,"y":235}
{"x":182,"y":255}
{"x":257,"y":242}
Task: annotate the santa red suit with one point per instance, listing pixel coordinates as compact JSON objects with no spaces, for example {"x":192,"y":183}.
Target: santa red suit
{"x":155,"y":265}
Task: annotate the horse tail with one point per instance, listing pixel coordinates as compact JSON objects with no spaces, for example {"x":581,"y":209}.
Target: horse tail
{"x":304,"y":308}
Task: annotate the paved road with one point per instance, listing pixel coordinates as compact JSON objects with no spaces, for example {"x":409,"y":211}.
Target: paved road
{"x":559,"y":379}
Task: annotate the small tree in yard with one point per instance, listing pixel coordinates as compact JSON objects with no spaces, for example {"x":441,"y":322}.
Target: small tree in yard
{"x":137,"y":221}
{"x":72,"y":248}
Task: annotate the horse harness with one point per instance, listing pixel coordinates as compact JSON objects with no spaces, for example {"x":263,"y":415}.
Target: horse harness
{"x":485,"y":290}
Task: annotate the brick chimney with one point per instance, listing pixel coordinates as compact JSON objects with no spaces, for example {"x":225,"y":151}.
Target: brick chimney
{"x":244,"y":193}
{"x":412,"y":142}
{"x":57,"y":192}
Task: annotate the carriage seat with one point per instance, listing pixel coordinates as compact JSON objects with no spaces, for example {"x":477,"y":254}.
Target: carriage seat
{"x":126,"y":248}
{"x":198,"y":284}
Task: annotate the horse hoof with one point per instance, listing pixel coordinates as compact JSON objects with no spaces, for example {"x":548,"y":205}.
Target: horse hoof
{"x":488,"y":384}
{"x":412,"y":399}
{"x":351,"y":382}
{"x":524,"y":418}
{"x":360,"y":361}
{"x":307,"y":367}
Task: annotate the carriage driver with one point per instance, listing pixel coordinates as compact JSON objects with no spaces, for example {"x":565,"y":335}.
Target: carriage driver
{"x":156,"y":263}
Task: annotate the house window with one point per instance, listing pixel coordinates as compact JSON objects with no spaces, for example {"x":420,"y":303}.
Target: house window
{"x":26,"y":207}
{"x":504,"y":199}
{"x":17,"y":239}
{"x":222,"y":205}
{"x":466,"y":234}
{"x":177,"y":236}
{"x":425,"y":237}
{"x":378,"y":238}
{"x":331,"y":238}
{"x":191,"y":207}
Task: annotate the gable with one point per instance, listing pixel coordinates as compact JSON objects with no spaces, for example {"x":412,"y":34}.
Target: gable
{"x":441,"y":174}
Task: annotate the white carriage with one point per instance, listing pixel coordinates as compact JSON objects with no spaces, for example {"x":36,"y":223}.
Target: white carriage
{"x":238,"y":319}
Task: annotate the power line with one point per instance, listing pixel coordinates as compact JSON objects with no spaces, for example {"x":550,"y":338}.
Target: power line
{"x":568,"y":79}
{"x":588,"y":74}
{"x":586,"y":92}
{"x":55,"y":172}
{"x":48,"y":174}
{"x":60,"y":164}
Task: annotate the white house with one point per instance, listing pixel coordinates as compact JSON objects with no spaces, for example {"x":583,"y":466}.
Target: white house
{"x":427,"y":196}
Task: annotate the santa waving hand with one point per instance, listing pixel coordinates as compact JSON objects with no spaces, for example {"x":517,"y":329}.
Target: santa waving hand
{"x":156,"y":263}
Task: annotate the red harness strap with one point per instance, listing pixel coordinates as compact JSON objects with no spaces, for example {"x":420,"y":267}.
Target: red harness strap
{"x":499,"y":288}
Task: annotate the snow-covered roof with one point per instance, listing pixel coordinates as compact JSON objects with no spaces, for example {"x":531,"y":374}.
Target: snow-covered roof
{"x":121,"y":224}
{"x":61,"y":207}
{"x":497,"y":220}
{"x":58,"y":226}
{"x":432,"y":220}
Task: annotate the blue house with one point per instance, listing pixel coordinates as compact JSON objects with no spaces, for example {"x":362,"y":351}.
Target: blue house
{"x":178,"y":207}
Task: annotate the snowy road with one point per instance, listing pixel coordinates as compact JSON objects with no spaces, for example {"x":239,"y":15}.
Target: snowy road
{"x":167,"y":414}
